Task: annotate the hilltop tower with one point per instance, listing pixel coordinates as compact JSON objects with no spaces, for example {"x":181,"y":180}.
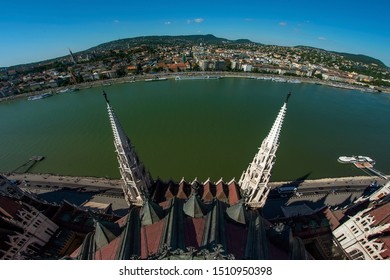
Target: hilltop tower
{"x":254,"y":181}
{"x":136,"y":180}
{"x":72,"y":58}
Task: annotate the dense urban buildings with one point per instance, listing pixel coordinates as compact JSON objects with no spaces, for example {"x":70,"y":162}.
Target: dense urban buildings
{"x":164,"y":55}
{"x":32,"y":228}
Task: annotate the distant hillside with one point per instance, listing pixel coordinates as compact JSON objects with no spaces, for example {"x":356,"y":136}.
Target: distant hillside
{"x":353,"y":57}
{"x":362,"y":58}
{"x":167,"y":40}
{"x":211,"y":39}
{"x":244,"y":41}
{"x":192,"y":40}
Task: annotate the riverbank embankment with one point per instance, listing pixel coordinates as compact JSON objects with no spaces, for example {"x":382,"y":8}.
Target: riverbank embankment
{"x":116,"y":183}
{"x":138,"y":78}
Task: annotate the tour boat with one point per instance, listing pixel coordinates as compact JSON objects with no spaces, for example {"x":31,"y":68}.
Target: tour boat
{"x":40,"y":96}
{"x":355,"y":159}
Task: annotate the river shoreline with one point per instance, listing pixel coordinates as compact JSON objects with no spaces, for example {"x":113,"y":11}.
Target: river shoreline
{"x":172,"y":76}
{"x":64,"y":180}
{"x":117,"y":183}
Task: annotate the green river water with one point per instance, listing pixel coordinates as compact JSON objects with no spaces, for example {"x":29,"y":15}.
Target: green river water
{"x":198,"y":128}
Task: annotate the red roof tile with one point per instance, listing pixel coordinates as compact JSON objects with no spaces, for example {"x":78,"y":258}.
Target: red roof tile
{"x":76,"y":252}
{"x":8,"y":207}
{"x":122,"y":221}
{"x":221,"y":191}
{"x":386,"y":242}
{"x":150,"y":238}
{"x":184,"y":190}
{"x":208,"y":192}
{"x":381,"y":214}
{"x":193,"y":231}
{"x":172,"y":190}
{"x":234,"y":193}
{"x":109,"y":251}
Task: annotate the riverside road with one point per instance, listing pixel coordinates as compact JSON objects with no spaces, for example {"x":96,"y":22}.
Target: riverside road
{"x":332,"y":192}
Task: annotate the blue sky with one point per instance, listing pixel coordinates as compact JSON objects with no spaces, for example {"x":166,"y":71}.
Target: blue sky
{"x":37,"y":30}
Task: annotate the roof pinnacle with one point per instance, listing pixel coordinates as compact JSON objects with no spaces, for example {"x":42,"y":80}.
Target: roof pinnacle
{"x":105,"y":97}
{"x":288,"y":96}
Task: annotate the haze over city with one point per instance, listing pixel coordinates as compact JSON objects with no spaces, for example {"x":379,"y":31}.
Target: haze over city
{"x":35,"y":31}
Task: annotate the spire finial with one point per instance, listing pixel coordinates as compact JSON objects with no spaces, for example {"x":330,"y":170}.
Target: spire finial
{"x":288,"y":96}
{"x":105,"y":97}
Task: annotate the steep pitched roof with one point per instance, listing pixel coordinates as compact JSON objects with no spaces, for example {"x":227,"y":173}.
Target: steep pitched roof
{"x":194,"y":207}
{"x":234,"y":192}
{"x":151,"y":212}
{"x":8,"y":207}
{"x":381,"y":214}
{"x":102,"y":236}
{"x":208,"y":191}
{"x":237,"y":212}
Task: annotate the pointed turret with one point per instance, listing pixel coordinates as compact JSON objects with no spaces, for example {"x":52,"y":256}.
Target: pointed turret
{"x":72,"y":58}
{"x":254,"y":181}
{"x":136,"y":180}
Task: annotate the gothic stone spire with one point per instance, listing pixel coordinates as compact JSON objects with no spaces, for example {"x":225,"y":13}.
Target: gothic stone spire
{"x":254,"y":181}
{"x":136,"y":180}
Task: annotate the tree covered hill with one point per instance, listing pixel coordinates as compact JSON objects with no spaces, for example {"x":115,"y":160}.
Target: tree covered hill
{"x":167,"y":40}
{"x":359,"y":58}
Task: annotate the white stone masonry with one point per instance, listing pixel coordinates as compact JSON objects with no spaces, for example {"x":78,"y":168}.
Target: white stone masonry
{"x":254,"y":181}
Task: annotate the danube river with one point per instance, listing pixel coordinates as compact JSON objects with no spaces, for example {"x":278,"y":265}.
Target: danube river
{"x":198,"y":128}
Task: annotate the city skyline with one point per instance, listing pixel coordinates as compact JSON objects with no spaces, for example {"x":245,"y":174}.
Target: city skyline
{"x":38,"y":31}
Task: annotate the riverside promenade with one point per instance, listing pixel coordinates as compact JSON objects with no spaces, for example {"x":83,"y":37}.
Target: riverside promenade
{"x":226,"y":74}
{"x":64,"y":180}
{"x":116,"y":183}
{"x":332,"y":192}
